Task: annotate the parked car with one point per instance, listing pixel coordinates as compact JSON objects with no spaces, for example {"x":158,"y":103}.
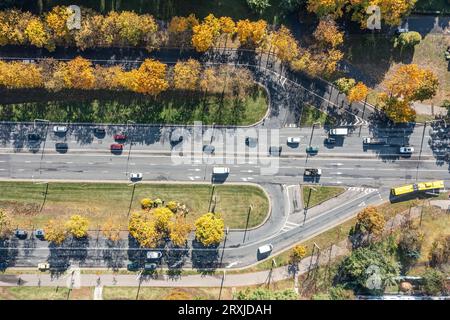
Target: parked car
{"x":293,"y":140}
{"x":175,"y":138}
{"x":43,"y":266}
{"x":133,"y":266}
{"x":311,"y":149}
{"x":120,"y":137}
{"x":406,"y":150}
{"x":59,"y":265}
{"x":136,"y":176}
{"x":21,"y":234}
{"x":221,"y":170}
{"x":275,"y":151}
{"x":153,"y":255}
{"x":208,"y":148}
{"x":330,"y":140}
{"x":3,"y":265}
{"x":59,"y":129}
{"x":116,"y":147}
{"x":39,"y":233}
{"x":150,"y":266}
{"x":99,"y":131}
{"x":34,"y":137}
{"x":312,"y":172}
{"x":61,"y":147}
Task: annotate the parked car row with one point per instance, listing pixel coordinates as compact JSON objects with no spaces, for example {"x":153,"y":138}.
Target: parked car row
{"x":23,"y":234}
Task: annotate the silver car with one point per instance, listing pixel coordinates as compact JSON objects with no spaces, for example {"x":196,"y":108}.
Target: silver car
{"x":59,"y":129}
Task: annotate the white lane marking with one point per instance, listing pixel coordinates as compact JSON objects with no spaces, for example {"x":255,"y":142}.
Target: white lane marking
{"x":362,"y":204}
{"x":192,"y":178}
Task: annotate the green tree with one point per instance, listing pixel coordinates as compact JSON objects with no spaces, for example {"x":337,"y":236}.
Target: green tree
{"x":440,"y":252}
{"x":408,"y":39}
{"x":344,"y":85}
{"x":209,"y":229}
{"x":434,"y":282}
{"x":259,"y":6}
{"x":266,"y":294}
{"x":409,"y":246}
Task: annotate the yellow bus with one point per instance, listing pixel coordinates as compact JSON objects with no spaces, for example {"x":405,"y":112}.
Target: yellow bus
{"x":421,"y":186}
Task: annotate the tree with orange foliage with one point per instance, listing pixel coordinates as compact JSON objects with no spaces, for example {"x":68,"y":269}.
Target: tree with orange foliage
{"x":150,"y":78}
{"x":227,"y":27}
{"x":77,"y":74}
{"x":370,"y":221}
{"x":411,"y":82}
{"x":251,"y":33}
{"x":18,"y":75}
{"x":328,"y":34}
{"x":397,"y":109}
{"x":186,"y":75}
{"x":179,"y":231}
{"x":205,"y":34}
{"x":286,"y":47}
{"x":358,"y":92}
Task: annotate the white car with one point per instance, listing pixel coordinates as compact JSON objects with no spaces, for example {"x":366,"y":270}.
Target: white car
{"x":406,"y":150}
{"x":136,"y":176}
{"x":44,"y":266}
{"x":265,"y":249}
{"x":59,"y":129}
{"x":293,"y":140}
{"x":152,"y":255}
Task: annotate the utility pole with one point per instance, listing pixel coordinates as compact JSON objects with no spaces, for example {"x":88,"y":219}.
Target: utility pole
{"x":221,"y":284}
{"x":274,"y":264}
{"x":132,"y":197}
{"x":312,"y":132}
{"x":420,"y":152}
{"x":45,"y":139}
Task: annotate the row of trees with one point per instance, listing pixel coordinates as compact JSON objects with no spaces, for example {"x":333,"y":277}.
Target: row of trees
{"x":392,"y":11}
{"x":156,"y":224}
{"x":56,"y":231}
{"x":51,"y":29}
{"x":152,"y":77}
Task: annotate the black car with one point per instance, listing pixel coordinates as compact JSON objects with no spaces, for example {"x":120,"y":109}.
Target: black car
{"x":250,"y":141}
{"x":133,"y":266}
{"x":34,"y":137}
{"x":208,"y":148}
{"x":100,"y":131}
{"x":21,"y":234}
{"x":330,"y":140}
{"x":275,"y":151}
{"x":39,"y":234}
{"x":61,"y":147}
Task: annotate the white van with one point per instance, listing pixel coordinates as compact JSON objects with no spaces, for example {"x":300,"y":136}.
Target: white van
{"x":221,"y":170}
{"x":338,"y":132}
{"x":265,"y":249}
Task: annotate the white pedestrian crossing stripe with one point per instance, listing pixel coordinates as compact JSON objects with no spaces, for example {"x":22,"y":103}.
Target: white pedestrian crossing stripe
{"x":365,"y":190}
{"x":289,"y":226}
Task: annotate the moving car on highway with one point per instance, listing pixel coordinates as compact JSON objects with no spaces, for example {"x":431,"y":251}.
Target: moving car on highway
{"x":368,"y":140}
{"x":338,"y":132}
{"x":293,"y":140}
{"x":135,"y":176}
{"x":311,"y":172}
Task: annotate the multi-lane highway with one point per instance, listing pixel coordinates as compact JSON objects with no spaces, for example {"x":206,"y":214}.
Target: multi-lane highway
{"x":88,"y":157}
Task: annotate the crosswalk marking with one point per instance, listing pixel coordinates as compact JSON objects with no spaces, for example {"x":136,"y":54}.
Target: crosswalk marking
{"x":289,"y":226}
{"x":360,"y":189}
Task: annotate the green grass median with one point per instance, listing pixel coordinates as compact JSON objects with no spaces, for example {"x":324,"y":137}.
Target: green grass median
{"x":29,"y":205}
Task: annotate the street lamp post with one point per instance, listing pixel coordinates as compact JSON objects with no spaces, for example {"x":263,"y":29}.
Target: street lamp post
{"x":221,"y":284}
{"x":312,"y":132}
{"x":421,"y":147}
{"x":132,"y":197}
{"x":45,"y":140}
{"x":250,"y":208}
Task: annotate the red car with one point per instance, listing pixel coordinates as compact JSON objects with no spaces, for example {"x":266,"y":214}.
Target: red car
{"x":117,"y":146}
{"x":120,"y":137}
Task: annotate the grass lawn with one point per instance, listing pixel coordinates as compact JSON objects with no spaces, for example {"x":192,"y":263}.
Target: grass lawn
{"x":100,"y":201}
{"x":311,"y":115}
{"x":118,"y":107}
{"x":152,"y":293}
{"x":313,"y":197}
{"x":45,"y":293}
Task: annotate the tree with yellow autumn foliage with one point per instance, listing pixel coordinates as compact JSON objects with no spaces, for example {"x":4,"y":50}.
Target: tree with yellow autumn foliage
{"x":111,"y":230}
{"x":150,"y":78}
{"x":286,"y":47}
{"x":179,"y":230}
{"x":55,"y":232}
{"x":142,"y":228}
{"x":18,"y":75}
{"x":206,"y":33}
{"x":77,"y":74}
{"x":56,"y":22}
{"x":328,"y":34}
{"x":297,"y":254}
{"x":186,"y":75}
{"x":251,"y":33}
{"x":333,"y":8}
{"x":77,"y":226}
{"x":370,"y":221}
{"x":37,"y":34}
{"x":209,"y":229}
{"x":397,"y":109}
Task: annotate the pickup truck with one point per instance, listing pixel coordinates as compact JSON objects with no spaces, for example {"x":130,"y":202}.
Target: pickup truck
{"x":368,"y":140}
